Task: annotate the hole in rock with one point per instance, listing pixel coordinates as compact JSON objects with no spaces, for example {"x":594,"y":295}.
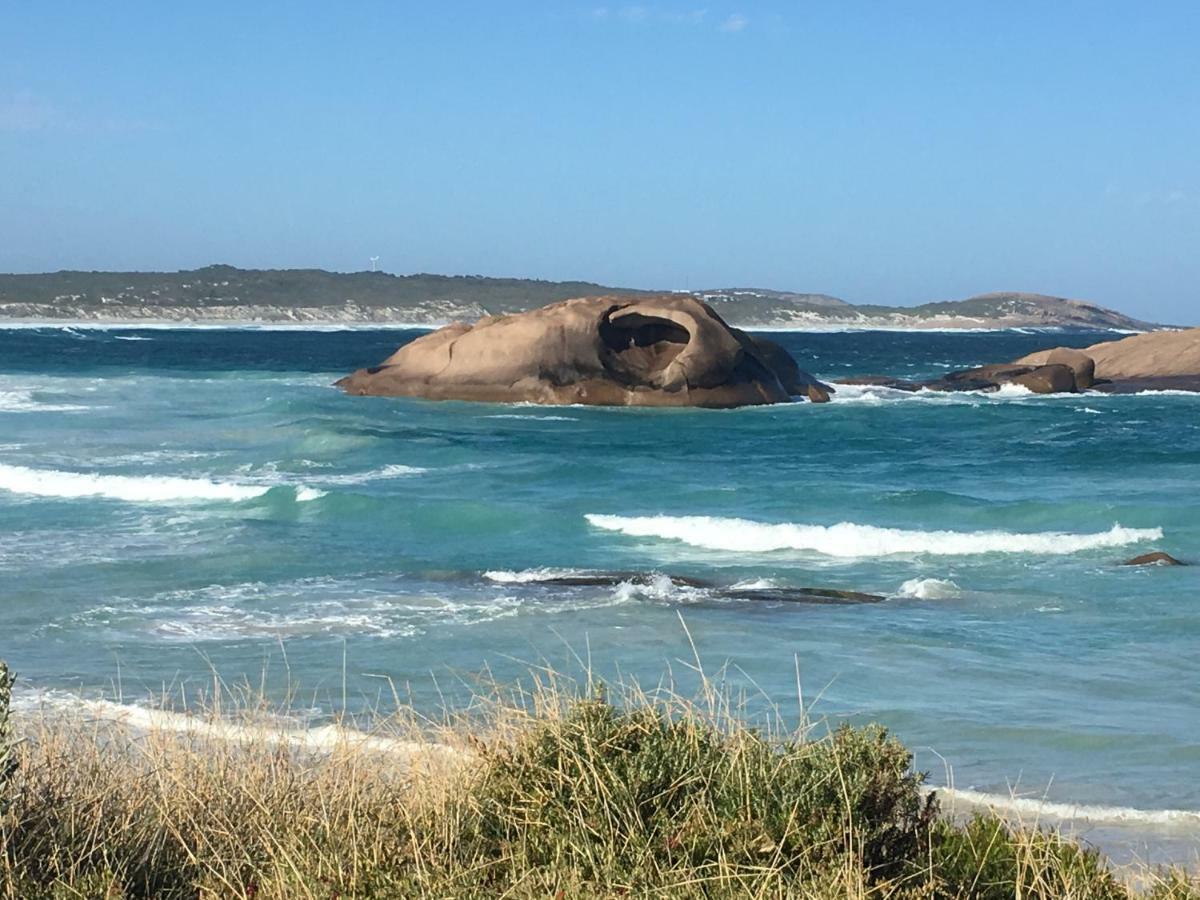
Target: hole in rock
{"x":640,"y":345}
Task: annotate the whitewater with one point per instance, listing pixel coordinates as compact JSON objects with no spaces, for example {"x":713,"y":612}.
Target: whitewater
{"x":183,"y":504}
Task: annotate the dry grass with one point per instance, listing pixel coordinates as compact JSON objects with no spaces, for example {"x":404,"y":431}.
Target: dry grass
{"x":557,"y":792}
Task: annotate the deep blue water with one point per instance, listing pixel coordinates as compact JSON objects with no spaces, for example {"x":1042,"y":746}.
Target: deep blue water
{"x":175,"y":500}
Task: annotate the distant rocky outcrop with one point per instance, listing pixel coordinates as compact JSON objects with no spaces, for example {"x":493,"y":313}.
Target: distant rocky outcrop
{"x":665,"y":350}
{"x":1162,"y":359}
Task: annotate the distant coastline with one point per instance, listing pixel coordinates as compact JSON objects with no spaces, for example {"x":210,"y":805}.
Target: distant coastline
{"x":231,"y":297}
{"x":215,"y":323}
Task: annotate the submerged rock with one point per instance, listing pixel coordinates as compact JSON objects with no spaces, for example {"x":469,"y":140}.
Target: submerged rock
{"x":1046,"y":379}
{"x":670,"y":350}
{"x":1056,"y":378}
{"x":1154,"y":558}
{"x":712,"y":588}
{"x":802,"y":595}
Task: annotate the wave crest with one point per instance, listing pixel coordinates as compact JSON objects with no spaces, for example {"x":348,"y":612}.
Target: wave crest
{"x":132,"y":488}
{"x":930,"y":589}
{"x":1066,"y":811}
{"x":850,"y":540}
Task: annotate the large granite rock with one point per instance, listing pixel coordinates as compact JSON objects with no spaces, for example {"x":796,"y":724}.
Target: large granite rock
{"x":669,"y":350}
{"x":1170,"y":358}
{"x":1081,"y":365}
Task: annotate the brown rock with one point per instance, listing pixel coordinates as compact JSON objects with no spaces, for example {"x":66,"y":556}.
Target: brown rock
{"x":1079,"y":362}
{"x":668,"y":350}
{"x":817,"y":393}
{"x":1051,"y":379}
{"x":795,"y":380}
{"x":1155,"y":558}
{"x":1156,"y":354}
{"x":1042,"y":379}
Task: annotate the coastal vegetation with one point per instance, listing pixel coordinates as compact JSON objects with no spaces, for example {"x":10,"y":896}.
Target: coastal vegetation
{"x":556,"y":792}
{"x":228,"y":293}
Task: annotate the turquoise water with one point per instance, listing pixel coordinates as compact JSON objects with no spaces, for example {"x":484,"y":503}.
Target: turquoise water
{"x":175,"y":501}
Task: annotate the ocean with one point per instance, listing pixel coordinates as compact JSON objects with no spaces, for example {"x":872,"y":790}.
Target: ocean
{"x":183,"y":504}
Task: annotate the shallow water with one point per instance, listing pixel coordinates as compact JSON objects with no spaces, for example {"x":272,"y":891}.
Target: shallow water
{"x":179,"y":501}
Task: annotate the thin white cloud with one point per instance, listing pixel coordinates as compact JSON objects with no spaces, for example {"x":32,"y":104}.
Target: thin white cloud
{"x":649,"y":14}
{"x":25,"y":111}
{"x":1172,"y":196}
{"x":688,"y":17}
{"x":734,"y":23}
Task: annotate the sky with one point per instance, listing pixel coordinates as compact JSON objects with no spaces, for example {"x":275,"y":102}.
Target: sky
{"x":882,"y":152}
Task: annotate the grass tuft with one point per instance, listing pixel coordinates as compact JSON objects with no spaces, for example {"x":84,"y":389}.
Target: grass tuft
{"x":559,"y":793}
{"x":8,"y":759}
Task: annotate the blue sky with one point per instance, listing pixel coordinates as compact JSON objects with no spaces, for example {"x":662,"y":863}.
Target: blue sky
{"x":883,"y":152}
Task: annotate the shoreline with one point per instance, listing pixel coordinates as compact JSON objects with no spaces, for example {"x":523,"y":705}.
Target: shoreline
{"x":1129,"y":837}
{"x":319,"y":325}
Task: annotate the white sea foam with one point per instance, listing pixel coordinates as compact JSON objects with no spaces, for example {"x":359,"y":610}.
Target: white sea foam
{"x":20,"y":400}
{"x":755,"y":584}
{"x":385,"y":473}
{"x":532,"y":576}
{"x":652,"y":586}
{"x":851,"y":540}
{"x":1078,"y":812}
{"x":657,"y":587}
{"x":131,"y":488}
{"x":930,"y":589}
{"x":364,"y":607}
{"x":875,"y":395}
{"x":532,"y":418}
{"x":143,"y":719}
{"x":131,"y":337}
{"x":223,"y":623}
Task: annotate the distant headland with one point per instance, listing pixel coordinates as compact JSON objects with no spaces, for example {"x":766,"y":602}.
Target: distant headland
{"x":226,"y":294}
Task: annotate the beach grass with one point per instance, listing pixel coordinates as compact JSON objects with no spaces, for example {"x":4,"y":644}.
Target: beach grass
{"x":558,"y":790}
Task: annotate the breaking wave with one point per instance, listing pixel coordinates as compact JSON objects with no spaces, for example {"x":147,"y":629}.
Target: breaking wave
{"x":930,"y":589}
{"x":851,"y":540}
{"x":532,"y":576}
{"x":286,"y":730}
{"x":23,"y":401}
{"x":381,"y":474}
{"x":132,"y":488}
{"x":1076,"y":812}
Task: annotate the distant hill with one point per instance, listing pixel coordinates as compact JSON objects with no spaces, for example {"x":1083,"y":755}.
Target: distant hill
{"x":755,"y":308}
{"x":225,"y":293}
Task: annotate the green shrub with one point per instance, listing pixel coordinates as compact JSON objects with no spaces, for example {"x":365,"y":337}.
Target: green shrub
{"x":1173,"y":885}
{"x":629,"y":796}
{"x":985,"y":858}
{"x":561,"y":797}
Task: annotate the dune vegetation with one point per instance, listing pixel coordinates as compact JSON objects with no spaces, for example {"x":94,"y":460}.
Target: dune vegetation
{"x":556,"y":792}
